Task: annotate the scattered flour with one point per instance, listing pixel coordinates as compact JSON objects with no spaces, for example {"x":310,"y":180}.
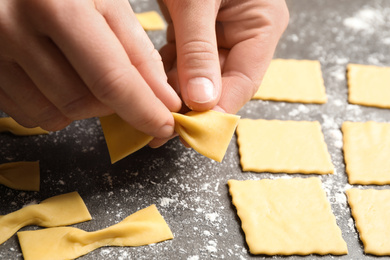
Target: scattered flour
{"x":366,"y":20}
{"x":165,"y":202}
{"x":212,"y":246}
{"x":212,"y":216}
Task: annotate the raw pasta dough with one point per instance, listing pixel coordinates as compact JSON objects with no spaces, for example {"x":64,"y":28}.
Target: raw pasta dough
{"x":283,"y":146}
{"x":150,"y":20}
{"x":7,"y":124}
{"x":20,"y":175}
{"x":286,"y":217}
{"x":371,"y":211}
{"x":369,"y":85}
{"x":61,"y":210}
{"x":209,"y":133}
{"x":293,"y":81}
{"x":366,"y":152}
{"x":144,"y":227}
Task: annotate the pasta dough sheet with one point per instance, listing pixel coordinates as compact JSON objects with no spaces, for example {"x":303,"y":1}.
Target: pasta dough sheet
{"x":369,"y":85}
{"x":144,"y":227}
{"x":61,"y":210}
{"x":366,"y":152}
{"x":209,"y":133}
{"x":293,"y":81}
{"x":7,"y":124}
{"x":371,"y":211}
{"x":286,"y":217}
{"x":283,"y":146}
{"x":20,"y":175}
{"x":151,"y":20}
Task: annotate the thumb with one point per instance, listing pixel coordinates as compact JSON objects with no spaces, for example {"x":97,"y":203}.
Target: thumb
{"x":197,"y":52}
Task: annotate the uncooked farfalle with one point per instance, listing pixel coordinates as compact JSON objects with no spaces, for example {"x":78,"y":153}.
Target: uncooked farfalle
{"x":20,"y":175}
{"x":61,"y":210}
{"x":7,"y":124}
{"x":209,"y":133}
{"x":144,"y":227}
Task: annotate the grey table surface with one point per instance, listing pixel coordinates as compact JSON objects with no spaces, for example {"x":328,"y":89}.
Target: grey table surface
{"x":190,"y":190}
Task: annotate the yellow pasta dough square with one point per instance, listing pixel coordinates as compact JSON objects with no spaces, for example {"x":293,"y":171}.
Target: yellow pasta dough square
{"x":293,"y":81}
{"x":283,"y":146}
{"x":371,"y":211}
{"x":369,"y":85}
{"x":286,"y":216}
{"x":151,"y":20}
{"x":366,"y":152}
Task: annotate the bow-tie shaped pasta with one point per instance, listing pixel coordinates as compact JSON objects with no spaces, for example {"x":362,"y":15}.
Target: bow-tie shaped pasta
{"x":61,"y":210}
{"x":144,"y":227}
{"x":209,"y":133}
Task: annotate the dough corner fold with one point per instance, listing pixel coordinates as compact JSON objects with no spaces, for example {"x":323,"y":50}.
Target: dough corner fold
{"x":143,"y":227}
{"x":209,"y":133}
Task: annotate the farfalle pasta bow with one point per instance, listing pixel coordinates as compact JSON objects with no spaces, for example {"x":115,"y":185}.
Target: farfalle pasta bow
{"x":61,"y":210}
{"x":209,"y":133}
{"x":144,"y":227}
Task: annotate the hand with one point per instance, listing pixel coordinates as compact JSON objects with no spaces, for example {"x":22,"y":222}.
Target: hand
{"x":67,"y":60}
{"x":218,"y":51}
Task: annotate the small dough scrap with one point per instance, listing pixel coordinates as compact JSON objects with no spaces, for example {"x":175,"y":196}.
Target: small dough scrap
{"x":366,"y":152}
{"x":121,"y":138}
{"x":283,"y":146}
{"x":209,"y":133}
{"x":144,"y":227}
{"x":8,"y":124}
{"x":20,"y":175}
{"x":151,"y":20}
{"x":293,"y":81}
{"x":371,"y":211}
{"x":61,"y":210}
{"x":369,"y":85}
{"x":287,"y":217}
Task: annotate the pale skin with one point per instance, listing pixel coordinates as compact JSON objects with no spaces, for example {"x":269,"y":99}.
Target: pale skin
{"x":62,"y":61}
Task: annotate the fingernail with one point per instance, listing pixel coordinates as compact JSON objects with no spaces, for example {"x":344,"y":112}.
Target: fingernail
{"x":166,"y":131}
{"x":200,"y":90}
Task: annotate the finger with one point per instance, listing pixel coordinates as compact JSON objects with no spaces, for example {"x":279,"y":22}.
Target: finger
{"x":10,"y":108}
{"x":168,"y":55}
{"x":21,"y":99}
{"x":158,"y":142}
{"x":142,"y":53}
{"x":58,"y":81}
{"x":103,"y":64}
{"x":197,"y":54}
{"x":250,"y":50}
